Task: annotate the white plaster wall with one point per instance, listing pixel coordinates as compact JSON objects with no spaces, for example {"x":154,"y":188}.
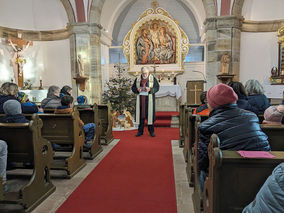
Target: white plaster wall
{"x":49,"y":60}
{"x":259,"y":10}
{"x":259,"y":53}
{"x":33,"y":14}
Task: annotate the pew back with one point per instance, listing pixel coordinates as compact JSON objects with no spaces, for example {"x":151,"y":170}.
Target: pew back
{"x":234,"y":181}
{"x":275,"y":135}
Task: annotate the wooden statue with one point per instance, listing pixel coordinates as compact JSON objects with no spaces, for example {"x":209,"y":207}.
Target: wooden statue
{"x":128,"y":118}
{"x":115,"y":115}
{"x":225,"y":63}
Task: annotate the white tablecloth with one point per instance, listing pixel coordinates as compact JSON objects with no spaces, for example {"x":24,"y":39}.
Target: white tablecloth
{"x":169,"y":90}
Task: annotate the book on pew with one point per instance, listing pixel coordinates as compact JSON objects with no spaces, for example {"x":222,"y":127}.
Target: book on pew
{"x":255,"y":154}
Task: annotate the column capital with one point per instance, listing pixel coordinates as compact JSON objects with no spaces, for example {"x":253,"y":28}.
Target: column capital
{"x":218,"y":22}
{"x":86,"y":28}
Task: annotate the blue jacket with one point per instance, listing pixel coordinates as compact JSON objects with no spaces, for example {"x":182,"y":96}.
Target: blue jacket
{"x":259,"y":102}
{"x":236,"y":128}
{"x":29,"y":109}
{"x":19,"y":118}
{"x":270,"y":197}
{"x":243,"y":103}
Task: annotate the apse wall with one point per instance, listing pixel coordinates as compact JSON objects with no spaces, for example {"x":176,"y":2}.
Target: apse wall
{"x":259,"y":51}
{"x":49,"y":60}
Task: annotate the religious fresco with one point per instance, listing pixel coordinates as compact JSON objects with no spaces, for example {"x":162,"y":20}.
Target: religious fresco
{"x":155,"y":43}
{"x":156,"y":40}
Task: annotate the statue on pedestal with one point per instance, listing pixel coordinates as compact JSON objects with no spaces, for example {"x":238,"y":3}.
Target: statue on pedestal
{"x":80,"y":66}
{"x":225,"y":63}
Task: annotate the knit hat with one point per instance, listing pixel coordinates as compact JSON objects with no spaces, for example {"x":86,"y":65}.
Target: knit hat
{"x":82,"y":99}
{"x":12,"y":107}
{"x":221,"y":94}
{"x":274,"y":114}
{"x":22,"y":97}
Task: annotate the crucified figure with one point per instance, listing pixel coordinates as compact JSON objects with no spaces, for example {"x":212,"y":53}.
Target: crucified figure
{"x":18,"y":62}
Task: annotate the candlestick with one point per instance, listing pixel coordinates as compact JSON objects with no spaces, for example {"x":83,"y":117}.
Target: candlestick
{"x":40,"y":84}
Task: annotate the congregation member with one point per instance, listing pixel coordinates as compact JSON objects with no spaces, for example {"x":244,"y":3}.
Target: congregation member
{"x":25,"y":102}
{"x":13,"y":113}
{"x":67,"y":108}
{"x":236,"y":128}
{"x":241,"y":92}
{"x":256,"y":96}
{"x":270,"y":197}
{"x":145,"y":86}
{"x":66,"y":90}
{"x":52,"y":101}
{"x":9,"y":91}
{"x":273,"y":115}
{"x":203,"y":108}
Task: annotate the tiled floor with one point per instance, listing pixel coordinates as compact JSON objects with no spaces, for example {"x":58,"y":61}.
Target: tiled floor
{"x":64,"y":187}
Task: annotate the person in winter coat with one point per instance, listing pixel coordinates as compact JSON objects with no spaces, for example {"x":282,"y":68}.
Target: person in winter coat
{"x":242,"y":101}
{"x":66,"y":90}
{"x":273,"y":115}
{"x":256,"y":96}
{"x":67,"y":108}
{"x":270,"y":197}
{"x":9,"y":91}
{"x":203,"y":108}
{"x":236,"y":128}
{"x":52,"y":101}
{"x":13,"y":113}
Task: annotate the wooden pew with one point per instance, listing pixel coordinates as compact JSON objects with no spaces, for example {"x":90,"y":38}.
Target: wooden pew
{"x":106,"y":122}
{"x":193,"y":122}
{"x":181,"y":124}
{"x":275,"y":135}
{"x":26,"y":145}
{"x":234,"y":181}
{"x":187,"y":134}
{"x":88,"y":115}
{"x":64,"y":129}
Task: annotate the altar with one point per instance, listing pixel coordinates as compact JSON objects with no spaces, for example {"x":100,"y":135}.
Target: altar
{"x":168,"y":98}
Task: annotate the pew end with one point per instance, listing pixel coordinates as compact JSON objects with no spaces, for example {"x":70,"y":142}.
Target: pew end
{"x":34,"y":149}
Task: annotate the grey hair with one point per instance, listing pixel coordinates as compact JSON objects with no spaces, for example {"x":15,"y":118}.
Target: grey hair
{"x":52,"y":90}
{"x":145,"y":68}
{"x":254,"y":87}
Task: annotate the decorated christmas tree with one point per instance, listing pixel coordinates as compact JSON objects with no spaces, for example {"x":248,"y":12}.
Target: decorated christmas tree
{"x":119,"y":92}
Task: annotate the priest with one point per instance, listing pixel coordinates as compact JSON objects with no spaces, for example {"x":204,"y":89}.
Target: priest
{"x":145,"y":86}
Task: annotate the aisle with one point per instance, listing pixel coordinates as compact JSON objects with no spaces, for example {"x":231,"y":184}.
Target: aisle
{"x":136,"y":176}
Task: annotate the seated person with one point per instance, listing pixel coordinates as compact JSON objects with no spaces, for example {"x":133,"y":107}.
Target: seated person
{"x":203,"y":108}
{"x":9,"y":91}
{"x":89,"y":129}
{"x":270,"y":197}
{"x":273,"y":115}
{"x":242,"y":101}
{"x":256,"y":96}
{"x":52,"y":101}
{"x":13,"y":111}
{"x":66,"y":90}
{"x":236,"y":128}
{"x":24,"y":100}
{"x":82,"y":100}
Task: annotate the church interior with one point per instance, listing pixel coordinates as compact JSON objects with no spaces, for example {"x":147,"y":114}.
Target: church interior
{"x":121,"y":62}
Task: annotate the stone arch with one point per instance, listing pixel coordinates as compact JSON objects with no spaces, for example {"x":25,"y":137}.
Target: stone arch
{"x":69,"y":11}
{"x":237,"y":7}
{"x":95,"y":11}
{"x":210,"y":8}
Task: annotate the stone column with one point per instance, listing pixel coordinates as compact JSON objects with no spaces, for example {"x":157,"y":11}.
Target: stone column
{"x":85,"y":41}
{"x":222,"y":36}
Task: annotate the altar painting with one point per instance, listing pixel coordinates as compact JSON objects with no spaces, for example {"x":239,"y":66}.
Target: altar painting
{"x":155,"y":43}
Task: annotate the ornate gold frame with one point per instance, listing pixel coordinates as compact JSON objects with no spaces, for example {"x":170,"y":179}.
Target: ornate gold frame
{"x":182,"y":41}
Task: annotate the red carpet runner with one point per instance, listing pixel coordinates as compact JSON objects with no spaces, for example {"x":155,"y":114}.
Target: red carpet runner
{"x":137,"y":176}
{"x":163,"y":119}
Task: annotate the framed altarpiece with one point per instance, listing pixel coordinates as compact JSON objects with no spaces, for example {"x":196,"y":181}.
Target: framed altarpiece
{"x":157,"y":41}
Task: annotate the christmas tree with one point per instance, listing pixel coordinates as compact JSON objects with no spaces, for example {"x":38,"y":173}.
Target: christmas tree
{"x":119,"y":92}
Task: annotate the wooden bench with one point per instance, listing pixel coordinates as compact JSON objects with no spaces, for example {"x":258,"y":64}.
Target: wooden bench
{"x":64,"y":129}
{"x":104,"y":116}
{"x":186,"y":132}
{"x":275,"y":135}
{"x":193,"y":122}
{"x":181,"y":124}
{"x":88,"y":115}
{"x":234,"y":181}
{"x":26,"y":145}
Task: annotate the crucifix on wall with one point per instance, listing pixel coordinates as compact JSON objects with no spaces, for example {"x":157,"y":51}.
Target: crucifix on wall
{"x":18,"y":60}
{"x":194,"y":90}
